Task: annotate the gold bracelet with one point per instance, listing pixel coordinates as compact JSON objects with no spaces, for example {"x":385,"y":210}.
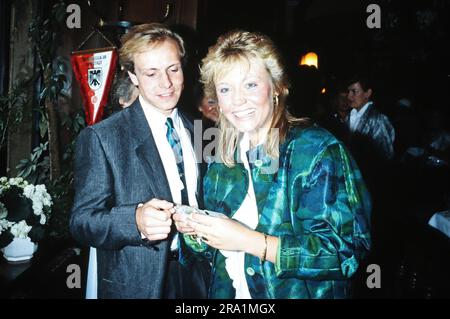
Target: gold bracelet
{"x":263,"y":255}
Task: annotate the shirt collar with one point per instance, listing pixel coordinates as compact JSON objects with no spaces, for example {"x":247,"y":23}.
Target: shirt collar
{"x":362,"y":110}
{"x":155,"y":117}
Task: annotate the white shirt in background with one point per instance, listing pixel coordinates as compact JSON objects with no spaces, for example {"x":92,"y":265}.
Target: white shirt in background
{"x":356,"y":115}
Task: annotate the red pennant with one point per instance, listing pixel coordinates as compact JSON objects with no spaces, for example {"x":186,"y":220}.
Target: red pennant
{"x":94,"y":71}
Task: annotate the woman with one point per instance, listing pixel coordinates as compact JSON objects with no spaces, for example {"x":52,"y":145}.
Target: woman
{"x":208,"y":108}
{"x":295,"y":220}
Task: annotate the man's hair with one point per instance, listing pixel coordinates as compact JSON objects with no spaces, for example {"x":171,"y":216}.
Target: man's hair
{"x":363,"y":79}
{"x":242,"y":47}
{"x":140,"y":37}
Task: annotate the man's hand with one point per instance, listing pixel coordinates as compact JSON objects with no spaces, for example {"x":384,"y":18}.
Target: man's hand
{"x":153,"y":219}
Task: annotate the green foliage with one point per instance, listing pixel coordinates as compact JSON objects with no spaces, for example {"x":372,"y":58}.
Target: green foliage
{"x":11,"y":109}
{"x":45,"y":36}
{"x":36,"y":169}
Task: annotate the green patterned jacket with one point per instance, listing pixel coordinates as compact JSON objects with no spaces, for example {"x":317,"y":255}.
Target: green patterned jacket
{"x":314,"y":200}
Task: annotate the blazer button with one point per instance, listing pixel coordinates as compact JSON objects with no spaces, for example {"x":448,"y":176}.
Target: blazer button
{"x":208,"y":255}
{"x":258,"y":163}
{"x":250,"y":271}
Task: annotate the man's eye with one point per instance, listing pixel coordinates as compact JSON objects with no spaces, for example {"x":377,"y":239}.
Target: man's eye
{"x":251,"y":85}
{"x":150,"y":75}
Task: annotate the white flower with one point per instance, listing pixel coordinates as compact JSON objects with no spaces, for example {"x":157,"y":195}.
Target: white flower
{"x":4,"y":224}
{"x":20,"y":230}
{"x":41,"y":189}
{"x":3,"y":211}
{"x":28,"y":191}
{"x":43,"y":219}
{"x":39,"y":196}
{"x":37,"y":207}
{"x":47,"y":201}
{"x":16,"y":181}
{"x":41,"y":202}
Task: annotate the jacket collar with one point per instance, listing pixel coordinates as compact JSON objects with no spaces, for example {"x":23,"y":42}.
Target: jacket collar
{"x":147,"y":152}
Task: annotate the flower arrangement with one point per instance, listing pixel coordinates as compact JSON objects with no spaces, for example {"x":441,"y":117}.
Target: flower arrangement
{"x":24,"y":210}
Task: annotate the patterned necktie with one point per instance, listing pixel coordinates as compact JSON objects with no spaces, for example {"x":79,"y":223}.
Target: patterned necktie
{"x":175,"y":144}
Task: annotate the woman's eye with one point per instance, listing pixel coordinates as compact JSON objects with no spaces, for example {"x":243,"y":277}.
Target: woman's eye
{"x":223,"y":90}
{"x":150,"y":75}
{"x":251,"y":85}
{"x":174,"y":70}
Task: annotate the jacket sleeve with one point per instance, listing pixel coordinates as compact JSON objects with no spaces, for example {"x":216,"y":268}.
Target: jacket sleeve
{"x":329,"y":209}
{"x":384,"y":136}
{"x":94,"y":220}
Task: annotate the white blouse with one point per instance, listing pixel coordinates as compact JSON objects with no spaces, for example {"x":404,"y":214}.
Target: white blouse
{"x":246,"y":214}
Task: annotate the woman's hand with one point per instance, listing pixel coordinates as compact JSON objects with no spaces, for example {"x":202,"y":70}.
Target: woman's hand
{"x":181,"y":224}
{"x":220,"y":232}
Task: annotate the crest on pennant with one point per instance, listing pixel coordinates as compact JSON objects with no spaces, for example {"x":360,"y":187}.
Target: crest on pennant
{"x":95,"y":78}
{"x":94,"y":70}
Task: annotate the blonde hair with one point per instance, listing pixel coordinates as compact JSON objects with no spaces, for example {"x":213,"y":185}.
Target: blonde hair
{"x":140,"y":37}
{"x":236,"y":47}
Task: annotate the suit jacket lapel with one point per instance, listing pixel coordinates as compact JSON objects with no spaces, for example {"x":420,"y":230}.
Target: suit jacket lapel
{"x":363,"y":126}
{"x":148,"y":154}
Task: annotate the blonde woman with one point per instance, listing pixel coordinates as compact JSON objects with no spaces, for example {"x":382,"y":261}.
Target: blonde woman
{"x":295,"y":220}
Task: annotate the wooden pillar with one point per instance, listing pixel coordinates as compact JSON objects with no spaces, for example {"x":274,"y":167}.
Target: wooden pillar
{"x":20,"y":67}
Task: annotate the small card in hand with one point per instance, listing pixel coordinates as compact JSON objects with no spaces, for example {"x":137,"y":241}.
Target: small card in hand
{"x":187,"y":210}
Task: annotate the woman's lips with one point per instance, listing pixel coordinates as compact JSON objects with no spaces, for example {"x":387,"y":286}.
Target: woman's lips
{"x":244,"y":114}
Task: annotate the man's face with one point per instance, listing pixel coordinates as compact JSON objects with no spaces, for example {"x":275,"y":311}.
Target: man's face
{"x":159,"y":76}
{"x":342,"y":104}
{"x":356,"y":96}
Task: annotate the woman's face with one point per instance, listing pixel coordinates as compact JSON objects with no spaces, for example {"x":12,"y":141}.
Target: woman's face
{"x":245,"y":97}
{"x":208,"y":107}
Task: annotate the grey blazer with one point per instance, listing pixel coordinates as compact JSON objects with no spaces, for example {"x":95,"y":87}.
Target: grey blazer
{"x":376,"y":130}
{"x":117,"y":166}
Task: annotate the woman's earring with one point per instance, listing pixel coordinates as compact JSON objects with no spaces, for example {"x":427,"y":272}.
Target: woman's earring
{"x":275,"y":100}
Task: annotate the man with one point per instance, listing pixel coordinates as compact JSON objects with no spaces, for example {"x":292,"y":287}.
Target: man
{"x":369,"y":129}
{"x":336,"y":117}
{"x":130,"y":169}
{"x":371,"y":143}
